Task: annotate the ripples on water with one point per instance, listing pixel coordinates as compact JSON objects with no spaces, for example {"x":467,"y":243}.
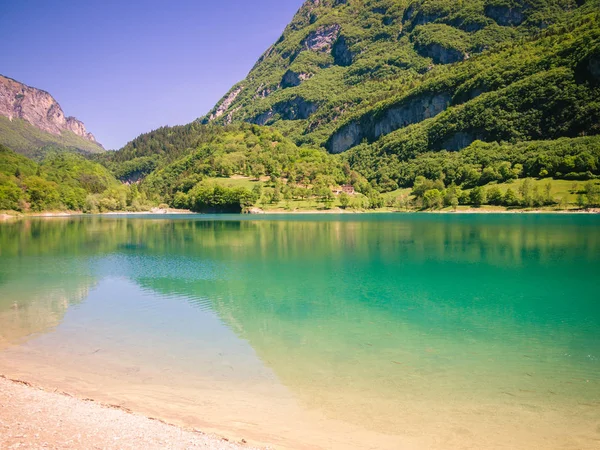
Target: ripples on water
{"x":376,"y":321}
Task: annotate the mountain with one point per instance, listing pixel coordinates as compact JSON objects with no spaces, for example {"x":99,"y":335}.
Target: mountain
{"x":32,"y":121}
{"x":444,"y":97}
{"x":426,"y":74}
{"x":414,"y":103}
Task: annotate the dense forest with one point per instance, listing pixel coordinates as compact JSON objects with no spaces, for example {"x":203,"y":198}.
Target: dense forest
{"x":63,"y":181}
{"x":369,"y":104}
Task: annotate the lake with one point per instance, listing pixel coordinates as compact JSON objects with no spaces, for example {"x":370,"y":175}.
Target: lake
{"x":389,"y":331}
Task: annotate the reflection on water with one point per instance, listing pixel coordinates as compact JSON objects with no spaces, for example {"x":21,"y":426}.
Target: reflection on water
{"x":416,"y":329}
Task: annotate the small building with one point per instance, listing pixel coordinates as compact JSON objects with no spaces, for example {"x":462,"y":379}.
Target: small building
{"x":347,"y":188}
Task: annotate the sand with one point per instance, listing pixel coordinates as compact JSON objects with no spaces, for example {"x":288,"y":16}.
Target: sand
{"x":31,"y":418}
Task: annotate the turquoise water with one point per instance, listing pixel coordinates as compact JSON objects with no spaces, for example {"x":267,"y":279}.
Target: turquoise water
{"x":430,"y":331}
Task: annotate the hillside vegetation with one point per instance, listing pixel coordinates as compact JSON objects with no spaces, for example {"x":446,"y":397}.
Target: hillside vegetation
{"x":62,"y":181}
{"x":344,"y":72}
{"x":390,"y":95}
{"x":415,"y":104}
{"x":34,"y":143}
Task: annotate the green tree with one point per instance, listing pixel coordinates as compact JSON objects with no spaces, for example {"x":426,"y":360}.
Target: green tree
{"x":276,"y":198}
{"x":41,"y":194}
{"x":181,"y":201}
{"x":510,"y":198}
{"x":344,"y":200}
{"x":433,"y":199}
{"x":548,"y":200}
{"x":375,"y":200}
{"x":257,"y":190}
{"x":538,"y":199}
{"x":494,"y":196}
{"x":592,"y":193}
{"x":454,"y":203}
{"x":526,"y":193}
{"x":10,"y":194}
{"x":478,"y":196}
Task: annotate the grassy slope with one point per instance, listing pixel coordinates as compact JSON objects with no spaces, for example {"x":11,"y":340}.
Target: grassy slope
{"x":560,"y":189}
{"x":30,"y":141}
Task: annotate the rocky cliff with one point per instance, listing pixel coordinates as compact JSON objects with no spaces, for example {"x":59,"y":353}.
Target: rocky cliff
{"x":39,"y":109}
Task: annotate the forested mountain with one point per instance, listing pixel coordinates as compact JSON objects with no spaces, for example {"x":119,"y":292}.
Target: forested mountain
{"x":344,"y":72}
{"x":33,"y":123}
{"x":452,"y":91}
{"x":448,"y":100}
{"x":62,"y":181}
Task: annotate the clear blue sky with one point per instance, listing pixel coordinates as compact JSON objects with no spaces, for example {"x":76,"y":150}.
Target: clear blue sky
{"x":125,"y":67}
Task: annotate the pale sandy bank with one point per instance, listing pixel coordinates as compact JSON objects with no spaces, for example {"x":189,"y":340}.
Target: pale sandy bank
{"x":31,"y":418}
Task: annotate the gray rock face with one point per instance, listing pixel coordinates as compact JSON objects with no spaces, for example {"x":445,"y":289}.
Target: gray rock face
{"x":345,"y":138}
{"x":594,"y":67}
{"x":322,"y":38}
{"x":292,"y":79}
{"x":409,"y":111}
{"x":458,"y":141}
{"x":505,"y":15}
{"x":39,"y":108}
{"x":342,"y":56}
{"x":295,"y":109}
{"x":440,"y":54}
{"x":225,"y":104}
{"x":413,"y":16}
{"x":414,"y":111}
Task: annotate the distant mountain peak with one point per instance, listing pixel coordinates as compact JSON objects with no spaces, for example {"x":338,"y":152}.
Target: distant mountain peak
{"x":38,"y":108}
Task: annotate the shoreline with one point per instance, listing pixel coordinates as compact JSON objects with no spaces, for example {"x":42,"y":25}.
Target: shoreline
{"x":34,"y":417}
{"x":158,"y":213}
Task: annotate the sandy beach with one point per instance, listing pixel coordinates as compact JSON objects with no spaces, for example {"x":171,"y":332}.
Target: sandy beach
{"x":31,"y":418}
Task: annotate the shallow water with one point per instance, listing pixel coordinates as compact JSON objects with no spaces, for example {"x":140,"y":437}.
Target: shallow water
{"x":367,"y":331}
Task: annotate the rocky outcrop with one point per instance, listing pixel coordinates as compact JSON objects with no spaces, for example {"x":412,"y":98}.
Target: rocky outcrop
{"x":322,"y":39}
{"x":412,"y":111}
{"x":371,"y":127}
{"x":39,"y":108}
{"x":594,"y":67}
{"x":225,"y":104}
{"x":458,"y":141}
{"x":293,"y":79}
{"x":470,"y":24}
{"x":505,"y":15}
{"x":440,"y":54}
{"x":294,"y":109}
{"x":414,"y":16}
{"x":342,"y":56}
